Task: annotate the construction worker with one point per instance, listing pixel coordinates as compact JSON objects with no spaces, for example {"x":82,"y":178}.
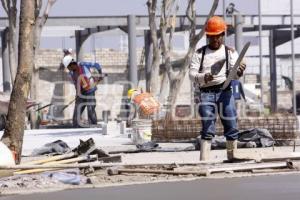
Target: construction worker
{"x":209,"y":68}
{"x":130,"y":106}
{"x":85,"y":83}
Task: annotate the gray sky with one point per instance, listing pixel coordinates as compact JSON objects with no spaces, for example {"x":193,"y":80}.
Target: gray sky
{"x":138,"y":7}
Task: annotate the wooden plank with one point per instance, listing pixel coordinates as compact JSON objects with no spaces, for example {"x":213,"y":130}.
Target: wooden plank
{"x":247,"y":167}
{"x":50,"y":159}
{"x":115,"y":171}
{"x":39,"y":169}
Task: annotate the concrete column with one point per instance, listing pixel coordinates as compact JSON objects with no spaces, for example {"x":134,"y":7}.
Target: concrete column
{"x":238,"y":20}
{"x":105,"y":79}
{"x":273,"y":73}
{"x":5,"y":62}
{"x":79,"y":44}
{"x":148,"y":60}
{"x":133,"y":71}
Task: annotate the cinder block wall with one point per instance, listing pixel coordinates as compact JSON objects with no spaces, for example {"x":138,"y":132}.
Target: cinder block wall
{"x":54,"y":85}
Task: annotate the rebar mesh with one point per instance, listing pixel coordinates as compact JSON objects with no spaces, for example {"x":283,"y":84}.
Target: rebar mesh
{"x":282,"y":127}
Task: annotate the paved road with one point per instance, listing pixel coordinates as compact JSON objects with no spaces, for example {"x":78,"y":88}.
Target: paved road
{"x":280,"y":187}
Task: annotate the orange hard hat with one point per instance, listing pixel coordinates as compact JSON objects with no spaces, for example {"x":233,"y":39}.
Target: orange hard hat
{"x":215,"y":26}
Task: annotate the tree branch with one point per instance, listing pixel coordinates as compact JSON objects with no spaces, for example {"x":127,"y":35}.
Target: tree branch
{"x":152,"y":23}
{"x":172,"y":22}
{"x":154,"y":77}
{"x":13,"y":13}
{"x":163,"y":31}
{"x":189,"y":11}
{"x":5,"y":5}
{"x":45,"y":16}
{"x":38,"y":7}
{"x":14,"y":3}
{"x":191,"y":15}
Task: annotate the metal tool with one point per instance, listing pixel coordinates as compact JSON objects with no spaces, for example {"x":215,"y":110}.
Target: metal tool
{"x":233,"y":71}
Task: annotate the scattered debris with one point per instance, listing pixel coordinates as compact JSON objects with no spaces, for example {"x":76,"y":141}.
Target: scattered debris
{"x":72,"y":177}
{"x":87,"y":164}
{"x":56,"y":147}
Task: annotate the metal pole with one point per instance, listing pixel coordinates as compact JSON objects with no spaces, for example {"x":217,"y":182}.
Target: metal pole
{"x":133,"y":71}
{"x":148,"y":56}
{"x":273,"y":73}
{"x":293,"y":56}
{"x":238,"y":20}
{"x":5,"y":62}
{"x":224,"y":16}
{"x":224,"y":9}
{"x":260,"y":56}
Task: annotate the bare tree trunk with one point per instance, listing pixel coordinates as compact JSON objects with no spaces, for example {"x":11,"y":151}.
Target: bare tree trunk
{"x":176,"y":79}
{"x":14,"y":130}
{"x":40,"y":22}
{"x":154,"y":77}
{"x":176,"y":82}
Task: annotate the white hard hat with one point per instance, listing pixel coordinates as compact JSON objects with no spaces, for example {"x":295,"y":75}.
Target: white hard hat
{"x":68,"y":51}
{"x":67,"y":60}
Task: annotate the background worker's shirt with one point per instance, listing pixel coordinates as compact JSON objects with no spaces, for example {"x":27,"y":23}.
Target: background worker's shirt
{"x":215,"y":63}
{"x":84,"y":80}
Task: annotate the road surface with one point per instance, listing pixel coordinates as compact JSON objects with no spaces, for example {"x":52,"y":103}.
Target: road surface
{"x":276,"y":187}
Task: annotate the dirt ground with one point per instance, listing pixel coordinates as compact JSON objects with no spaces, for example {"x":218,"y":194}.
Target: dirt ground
{"x":44,"y":182}
{"x":24,"y":184}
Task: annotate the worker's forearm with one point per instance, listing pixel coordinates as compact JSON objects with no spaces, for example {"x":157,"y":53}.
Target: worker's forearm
{"x":197,"y":77}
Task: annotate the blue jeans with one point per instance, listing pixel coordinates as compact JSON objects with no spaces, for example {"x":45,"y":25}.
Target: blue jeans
{"x":85,"y":101}
{"x":223,"y":103}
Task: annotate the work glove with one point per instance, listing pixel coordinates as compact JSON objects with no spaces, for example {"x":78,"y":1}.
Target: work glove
{"x":241,"y":68}
{"x":208,"y":77}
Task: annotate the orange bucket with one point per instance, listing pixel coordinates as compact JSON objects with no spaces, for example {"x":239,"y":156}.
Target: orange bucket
{"x":146,"y":102}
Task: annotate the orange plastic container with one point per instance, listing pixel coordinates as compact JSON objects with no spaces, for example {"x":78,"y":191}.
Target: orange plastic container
{"x":146,"y":102}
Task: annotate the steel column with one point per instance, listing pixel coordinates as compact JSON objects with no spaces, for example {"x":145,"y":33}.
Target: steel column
{"x":273,"y":73}
{"x":79,"y":39}
{"x":238,"y":21}
{"x":260,"y":57}
{"x":293,"y":56}
{"x":133,"y":71}
{"x":148,"y":60}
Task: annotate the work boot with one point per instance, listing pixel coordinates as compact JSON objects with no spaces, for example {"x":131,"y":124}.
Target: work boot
{"x":231,"y":146}
{"x":233,"y":155}
{"x":205,"y":149}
